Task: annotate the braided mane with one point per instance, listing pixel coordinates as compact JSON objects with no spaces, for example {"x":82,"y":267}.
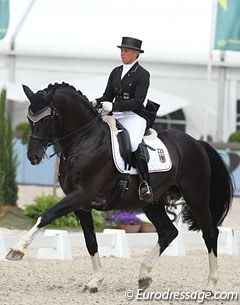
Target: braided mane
{"x":62,"y":85}
{"x":40,"y":101}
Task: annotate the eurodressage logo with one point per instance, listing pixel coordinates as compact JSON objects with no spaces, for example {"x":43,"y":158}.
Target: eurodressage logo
{"x":168,"y":295}
{"x":161,"y":155}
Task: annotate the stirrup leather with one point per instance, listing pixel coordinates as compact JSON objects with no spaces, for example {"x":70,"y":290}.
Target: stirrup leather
{"x":145,"y":191}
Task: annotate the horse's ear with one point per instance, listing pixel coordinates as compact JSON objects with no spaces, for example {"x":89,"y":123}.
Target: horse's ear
{"x":27,"y":91}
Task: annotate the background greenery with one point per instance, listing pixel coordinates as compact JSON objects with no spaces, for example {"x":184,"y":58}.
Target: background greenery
{"x":8,"y":160}
{"x":22,"y":131}
{"x":44,"y":202}
{"x":234,"y":137}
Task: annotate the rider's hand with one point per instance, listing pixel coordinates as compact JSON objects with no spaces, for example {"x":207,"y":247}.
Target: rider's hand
{"x":107,"y":106}
{"x":94,"y":103}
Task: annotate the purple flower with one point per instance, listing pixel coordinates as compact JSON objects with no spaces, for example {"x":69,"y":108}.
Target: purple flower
{"x":126,"y":218}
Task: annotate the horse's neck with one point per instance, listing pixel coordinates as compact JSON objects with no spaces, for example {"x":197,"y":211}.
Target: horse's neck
{"x":74,"y":132}
{"x":76,"y":115}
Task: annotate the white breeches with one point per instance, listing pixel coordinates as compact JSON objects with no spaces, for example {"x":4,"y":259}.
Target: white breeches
{"x":135,"y":124}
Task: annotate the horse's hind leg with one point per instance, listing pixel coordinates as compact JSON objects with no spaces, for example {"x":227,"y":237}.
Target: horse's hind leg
{"x":86,"y":220}
{"x":211,"y":242}
{"x":166,"y":233}
{"x":210,"y":236}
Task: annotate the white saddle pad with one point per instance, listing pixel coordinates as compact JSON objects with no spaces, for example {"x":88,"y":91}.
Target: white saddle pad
{"x":160,"y":160}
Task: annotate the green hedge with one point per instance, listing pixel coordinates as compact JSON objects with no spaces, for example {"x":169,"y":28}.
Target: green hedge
{"x":8,"y":158}
{"x":234,"y":137}
{"x":23,"y":131}
{"x":44,"y":202}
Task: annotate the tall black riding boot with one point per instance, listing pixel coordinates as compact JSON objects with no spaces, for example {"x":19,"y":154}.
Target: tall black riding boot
{"x":144,"y":191}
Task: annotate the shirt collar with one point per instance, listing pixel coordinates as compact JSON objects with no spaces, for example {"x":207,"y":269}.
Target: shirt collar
{"x":129,"y":66}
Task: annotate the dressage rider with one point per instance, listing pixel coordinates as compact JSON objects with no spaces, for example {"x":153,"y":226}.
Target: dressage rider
{"x":124,"y":96}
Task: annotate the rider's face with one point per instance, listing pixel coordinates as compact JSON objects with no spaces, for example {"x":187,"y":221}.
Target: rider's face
{"x":128,"y":56}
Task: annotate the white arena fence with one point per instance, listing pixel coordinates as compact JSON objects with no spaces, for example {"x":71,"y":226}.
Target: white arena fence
{"x":58,"y":244}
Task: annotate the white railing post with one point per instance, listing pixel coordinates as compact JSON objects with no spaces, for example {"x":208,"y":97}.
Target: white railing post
{"x":120,"y":248}
{"x":62,"y":251}
{"x":3,"y":250}
{"x":228,"y":241}
{"x":58,"y":244}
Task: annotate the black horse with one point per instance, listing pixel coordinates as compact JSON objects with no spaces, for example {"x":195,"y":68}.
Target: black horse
{"x":88,"y":175}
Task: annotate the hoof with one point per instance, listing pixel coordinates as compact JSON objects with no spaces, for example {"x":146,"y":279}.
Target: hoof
{"x":90,"y":290}
{"x":14,"y":255}
{"x":144,"y":283}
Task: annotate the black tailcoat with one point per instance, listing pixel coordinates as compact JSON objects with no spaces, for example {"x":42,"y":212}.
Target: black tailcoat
{"x":129,"y":92}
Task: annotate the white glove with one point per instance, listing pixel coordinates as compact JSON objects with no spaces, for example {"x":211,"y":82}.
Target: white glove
{"x":107,"y":106}
{"x":94,"y":103}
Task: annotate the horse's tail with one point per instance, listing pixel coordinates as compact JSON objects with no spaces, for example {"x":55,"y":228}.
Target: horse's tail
{"x":221,"y":190}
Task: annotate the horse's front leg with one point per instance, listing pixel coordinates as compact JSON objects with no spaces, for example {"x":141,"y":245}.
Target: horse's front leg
{"x":86,"y":220}
{"x":68,"y":204}
{"x":17,"y":252}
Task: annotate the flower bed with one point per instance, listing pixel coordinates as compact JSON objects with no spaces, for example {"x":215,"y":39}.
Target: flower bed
{"x":127,"y":221}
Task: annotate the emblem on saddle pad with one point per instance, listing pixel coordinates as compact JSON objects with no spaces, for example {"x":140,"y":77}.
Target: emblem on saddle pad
{"x":161,"y":155}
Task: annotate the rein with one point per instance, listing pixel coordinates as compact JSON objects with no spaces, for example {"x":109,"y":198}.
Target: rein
{"x":87,"y":126}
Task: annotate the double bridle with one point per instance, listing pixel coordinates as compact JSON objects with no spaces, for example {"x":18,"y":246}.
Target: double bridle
{"x":36,"y":117}
{"x":49,"y":140}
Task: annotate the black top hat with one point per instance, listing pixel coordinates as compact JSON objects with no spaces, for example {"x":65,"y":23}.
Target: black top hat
{"x":131,"y":43}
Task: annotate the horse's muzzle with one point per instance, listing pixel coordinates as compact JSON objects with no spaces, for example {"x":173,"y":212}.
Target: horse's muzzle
{"x":35,"y":159}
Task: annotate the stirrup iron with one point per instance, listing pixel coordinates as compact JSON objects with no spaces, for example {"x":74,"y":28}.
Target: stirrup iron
{"x":145,"y":192}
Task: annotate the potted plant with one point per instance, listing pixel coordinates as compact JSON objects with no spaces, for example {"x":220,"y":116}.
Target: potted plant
{"x":146,"y":225}
{"x":127,"y":221}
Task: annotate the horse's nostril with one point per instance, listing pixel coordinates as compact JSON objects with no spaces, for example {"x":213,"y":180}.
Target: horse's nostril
{"x":34,"y":159}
